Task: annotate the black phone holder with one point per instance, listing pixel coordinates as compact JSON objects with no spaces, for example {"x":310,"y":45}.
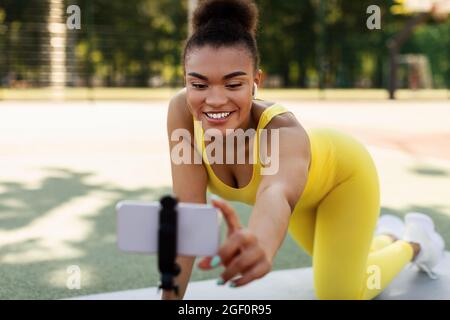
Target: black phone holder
{"x":167,"y":243}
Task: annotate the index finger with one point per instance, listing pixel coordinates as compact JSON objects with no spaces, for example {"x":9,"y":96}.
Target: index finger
{"x":229,"y":214}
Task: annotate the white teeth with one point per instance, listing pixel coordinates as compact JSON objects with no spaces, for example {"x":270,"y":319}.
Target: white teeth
{"x":218,"y":115}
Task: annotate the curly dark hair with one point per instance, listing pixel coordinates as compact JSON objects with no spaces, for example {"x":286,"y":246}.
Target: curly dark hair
{"x":224,"y":23}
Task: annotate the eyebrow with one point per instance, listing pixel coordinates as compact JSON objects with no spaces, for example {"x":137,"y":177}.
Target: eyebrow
{"x":225,"y":77}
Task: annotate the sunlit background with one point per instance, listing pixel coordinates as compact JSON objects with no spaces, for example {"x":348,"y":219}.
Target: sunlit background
{"x":83,"y":111}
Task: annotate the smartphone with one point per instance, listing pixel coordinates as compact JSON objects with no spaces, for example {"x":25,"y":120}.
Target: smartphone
{"x":198,"y":228}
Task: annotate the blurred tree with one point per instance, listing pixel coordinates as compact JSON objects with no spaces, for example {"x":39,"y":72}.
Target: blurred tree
{"x":128,"y":52}
{"x":433,"y":40}
{"x":139,"y":42}
{"x":287,"y":39}
{"x":22,"y":41}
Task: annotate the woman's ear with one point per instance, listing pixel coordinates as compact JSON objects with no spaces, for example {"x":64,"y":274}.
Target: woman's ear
{"x":256,"y":82}
{"x":258,"y":77}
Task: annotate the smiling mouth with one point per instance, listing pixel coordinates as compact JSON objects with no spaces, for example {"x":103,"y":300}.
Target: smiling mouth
{"x":218,"y":115}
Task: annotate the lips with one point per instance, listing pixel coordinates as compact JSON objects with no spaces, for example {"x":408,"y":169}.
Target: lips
{"x":218,"y":117}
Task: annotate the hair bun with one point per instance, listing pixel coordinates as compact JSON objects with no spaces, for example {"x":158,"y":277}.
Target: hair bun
{"x":241,"y":12}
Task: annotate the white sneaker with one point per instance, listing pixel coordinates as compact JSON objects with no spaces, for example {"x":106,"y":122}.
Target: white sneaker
{"x":391,"y":225}
{"x":419,"y":228}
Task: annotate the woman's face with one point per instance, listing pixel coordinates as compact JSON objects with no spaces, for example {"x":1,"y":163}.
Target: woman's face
{"x":219,"y":84}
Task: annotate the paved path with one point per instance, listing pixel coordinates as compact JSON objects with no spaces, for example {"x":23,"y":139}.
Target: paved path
{"x":297,"y":284}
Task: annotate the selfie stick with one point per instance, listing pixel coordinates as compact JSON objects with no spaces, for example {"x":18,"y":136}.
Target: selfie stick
{"x":167,"y":243}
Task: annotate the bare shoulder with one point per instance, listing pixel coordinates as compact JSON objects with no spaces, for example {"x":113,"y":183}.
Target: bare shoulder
{"x":291,"y":131}
{"x":285,"y":120}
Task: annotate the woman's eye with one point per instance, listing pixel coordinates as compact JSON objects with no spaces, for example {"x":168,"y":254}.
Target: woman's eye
{"x":199,"y":85}
{"x":234,"y":85}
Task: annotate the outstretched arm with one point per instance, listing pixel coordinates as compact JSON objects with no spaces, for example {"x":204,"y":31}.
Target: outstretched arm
{"x":250,"y":251}
{"x":278,"y":193}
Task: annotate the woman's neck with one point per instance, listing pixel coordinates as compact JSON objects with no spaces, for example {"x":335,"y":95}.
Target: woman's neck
{"x":250,"y":122}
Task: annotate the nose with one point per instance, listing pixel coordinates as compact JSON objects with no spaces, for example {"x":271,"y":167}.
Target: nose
{"x":216,"y":97}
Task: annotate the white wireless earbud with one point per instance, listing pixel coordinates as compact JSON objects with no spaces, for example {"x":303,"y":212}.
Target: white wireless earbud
{"x":255,"y":89}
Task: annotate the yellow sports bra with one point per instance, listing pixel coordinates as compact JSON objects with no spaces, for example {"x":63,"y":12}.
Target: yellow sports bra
{"x":245,"y":194}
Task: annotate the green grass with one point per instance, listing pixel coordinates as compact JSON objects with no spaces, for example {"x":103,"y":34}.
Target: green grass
{"x":117,"y":94}
{"x":105,"y":268}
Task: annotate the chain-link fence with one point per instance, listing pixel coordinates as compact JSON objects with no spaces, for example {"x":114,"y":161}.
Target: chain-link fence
{"x":138,"y":43}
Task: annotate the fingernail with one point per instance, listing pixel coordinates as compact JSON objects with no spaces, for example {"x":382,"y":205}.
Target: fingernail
{"x":220,"y":282}
{"x":215,"y":197}
{"x":215,"y":261}
{"x":232,"y":285}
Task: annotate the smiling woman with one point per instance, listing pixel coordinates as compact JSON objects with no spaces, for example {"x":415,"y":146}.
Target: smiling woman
{"x":220,"y":91}
{"x":324,"y":190}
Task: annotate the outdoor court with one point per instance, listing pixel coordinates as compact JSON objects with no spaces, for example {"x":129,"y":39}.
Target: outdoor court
{"x":64,"y":166}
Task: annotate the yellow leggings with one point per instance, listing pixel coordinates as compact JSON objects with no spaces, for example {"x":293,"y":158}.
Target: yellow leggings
{"x":335,"y":218}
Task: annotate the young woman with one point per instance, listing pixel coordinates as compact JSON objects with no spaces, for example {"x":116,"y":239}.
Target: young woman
{"x":325,"y":191}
